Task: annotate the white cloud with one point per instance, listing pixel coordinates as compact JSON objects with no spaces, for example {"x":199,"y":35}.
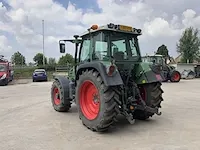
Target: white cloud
{"x":159,"y":27}
{"x":155,"y":18}
{"x":4,"y":45}
{"x":191,"y":18}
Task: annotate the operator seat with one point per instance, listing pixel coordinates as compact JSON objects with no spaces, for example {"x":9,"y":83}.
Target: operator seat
{"x":117,"y":54}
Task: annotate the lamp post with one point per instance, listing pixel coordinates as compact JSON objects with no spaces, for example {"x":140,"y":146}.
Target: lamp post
{"x":43,"y":42}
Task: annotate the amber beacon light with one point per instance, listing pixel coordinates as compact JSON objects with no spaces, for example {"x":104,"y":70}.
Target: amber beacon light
{"x":94,"y":27}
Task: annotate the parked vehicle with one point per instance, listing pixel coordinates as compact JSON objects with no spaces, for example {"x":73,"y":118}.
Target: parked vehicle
{"x":39,"y":75}
{"x":158,"y":62}
{"x":109,"y":78}
{"x":6,"y":72}
{"x":188,"y":74}
{"x":197,"y":71}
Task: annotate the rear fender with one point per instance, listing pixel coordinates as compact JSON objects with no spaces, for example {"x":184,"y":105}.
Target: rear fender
{"x":101,"y":68}
{"x":144,"y":74}
{"x":149,"y":77}
{"x":67,"y":87}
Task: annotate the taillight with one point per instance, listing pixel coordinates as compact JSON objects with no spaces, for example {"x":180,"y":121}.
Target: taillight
{"x":111,"y":70}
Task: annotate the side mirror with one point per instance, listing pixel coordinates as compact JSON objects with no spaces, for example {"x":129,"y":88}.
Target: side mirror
{"x":62,"y":47}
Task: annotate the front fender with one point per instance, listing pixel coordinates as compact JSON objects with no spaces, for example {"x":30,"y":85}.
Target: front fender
{"x":67,"y":87}
{"x":101,"y":68}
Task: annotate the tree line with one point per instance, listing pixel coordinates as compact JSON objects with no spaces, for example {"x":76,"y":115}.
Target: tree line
{"x":188,"y":46}
{"x":19,"y":60}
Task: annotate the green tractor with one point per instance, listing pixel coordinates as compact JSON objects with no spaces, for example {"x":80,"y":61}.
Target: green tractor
{"x":108,"y":79}
{"x":168,"y":72}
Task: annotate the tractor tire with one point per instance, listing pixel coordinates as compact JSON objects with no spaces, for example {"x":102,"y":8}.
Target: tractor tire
{"x":57,"y":98}
{"x":152,"y":95}
{"x":175,"y":76}
{"x":96,"y":102}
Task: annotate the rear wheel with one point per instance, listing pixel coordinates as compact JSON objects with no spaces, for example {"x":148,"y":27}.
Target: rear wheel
{"x":96,"y":102}
{"x":152,"y":94}
{"x":57,"y":98}
{"x":175,"y":76}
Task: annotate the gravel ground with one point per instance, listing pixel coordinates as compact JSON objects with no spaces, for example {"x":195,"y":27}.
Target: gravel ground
{"x":28,"y":122}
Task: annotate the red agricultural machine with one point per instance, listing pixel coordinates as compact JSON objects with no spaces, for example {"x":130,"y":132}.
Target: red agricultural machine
{"x":6,"y":72}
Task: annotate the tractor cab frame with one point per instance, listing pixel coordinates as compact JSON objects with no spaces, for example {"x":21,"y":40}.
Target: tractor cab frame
{"x":114,"y":44}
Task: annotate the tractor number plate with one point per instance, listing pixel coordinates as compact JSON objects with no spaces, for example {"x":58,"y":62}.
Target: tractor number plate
{"x":125,"y":28}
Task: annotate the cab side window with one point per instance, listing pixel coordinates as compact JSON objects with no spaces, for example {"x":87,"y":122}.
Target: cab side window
{"x":85,"y":50}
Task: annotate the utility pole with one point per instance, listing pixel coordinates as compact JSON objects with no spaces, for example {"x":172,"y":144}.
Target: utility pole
{"x":43,"y":42}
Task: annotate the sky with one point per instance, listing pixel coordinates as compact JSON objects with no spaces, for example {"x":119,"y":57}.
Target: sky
{"x":162,"y":22}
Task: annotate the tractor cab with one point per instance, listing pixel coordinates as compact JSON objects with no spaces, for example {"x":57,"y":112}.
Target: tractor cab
{"x":155,"y":59}
{"x":116,"y":46}
{"x":106,"y":43}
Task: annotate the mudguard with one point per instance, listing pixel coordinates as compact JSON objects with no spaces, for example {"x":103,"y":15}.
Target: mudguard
{"x":67,"y":87}
{"x":101,"y":68}
{"x":145,"y":74}
{"x":149,"y":77}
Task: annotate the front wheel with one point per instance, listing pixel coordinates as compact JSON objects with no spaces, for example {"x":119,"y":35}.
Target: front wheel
{"x":175,"y":76}
{"x":96,"y":102}
{"x":57,"y":98}
{"x":151,"y":93}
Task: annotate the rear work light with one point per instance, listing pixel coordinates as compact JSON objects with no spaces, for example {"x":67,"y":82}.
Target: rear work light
{"x":110,"y":70}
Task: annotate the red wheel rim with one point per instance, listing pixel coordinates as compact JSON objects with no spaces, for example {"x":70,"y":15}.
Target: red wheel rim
{"x":89,"y":100}
{"x":176,"y":77}
{"x":56,"y":96}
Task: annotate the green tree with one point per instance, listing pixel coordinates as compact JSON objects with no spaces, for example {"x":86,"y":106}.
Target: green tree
{"x":38,"y":58}
{"x":52,"y":61}
{"x":67,"y":59}
{"x":188,"y":45}
{"x":162,"y":50}
{"x":18,"y":59}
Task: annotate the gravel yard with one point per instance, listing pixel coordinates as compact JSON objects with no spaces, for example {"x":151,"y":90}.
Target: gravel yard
{"x":28,"y":122}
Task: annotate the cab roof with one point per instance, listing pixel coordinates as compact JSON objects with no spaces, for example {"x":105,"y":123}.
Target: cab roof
{"x":113,"y":27}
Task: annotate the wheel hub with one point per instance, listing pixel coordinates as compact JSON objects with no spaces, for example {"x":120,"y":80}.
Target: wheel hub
{"x":57,"y":96}
{"x":95,"y":98}
{"x":176,"y":77}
